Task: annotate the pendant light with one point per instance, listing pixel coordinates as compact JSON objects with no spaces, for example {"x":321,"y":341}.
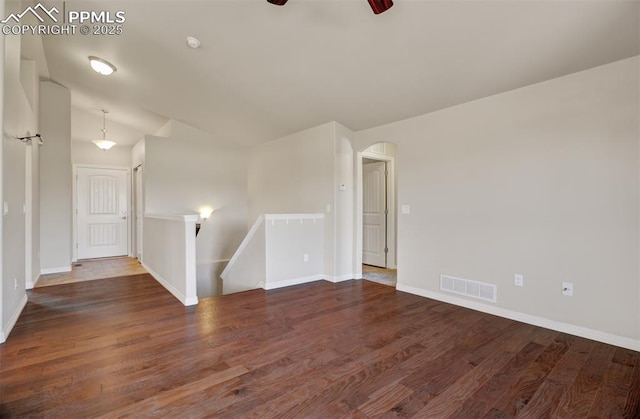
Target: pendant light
{"x":104,"y":144}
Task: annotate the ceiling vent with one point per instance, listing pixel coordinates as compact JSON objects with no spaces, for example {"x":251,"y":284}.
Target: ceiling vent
{"x":469,"y":288}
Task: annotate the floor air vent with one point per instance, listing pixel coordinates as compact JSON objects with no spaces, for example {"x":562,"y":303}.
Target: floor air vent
{"x":475,"y":289}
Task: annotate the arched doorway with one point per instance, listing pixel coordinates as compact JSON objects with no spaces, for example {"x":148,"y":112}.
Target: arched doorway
{"x":376,"y":223}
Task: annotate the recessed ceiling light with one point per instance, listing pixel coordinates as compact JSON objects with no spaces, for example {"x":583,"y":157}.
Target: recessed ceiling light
{"x":101,"y":66}
{"x":193,"y":42}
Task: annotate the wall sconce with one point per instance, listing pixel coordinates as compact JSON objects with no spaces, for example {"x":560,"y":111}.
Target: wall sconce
{"x":204,"y":214}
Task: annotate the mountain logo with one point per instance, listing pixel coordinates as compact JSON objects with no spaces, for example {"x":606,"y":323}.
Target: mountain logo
{"x":38,"y":11}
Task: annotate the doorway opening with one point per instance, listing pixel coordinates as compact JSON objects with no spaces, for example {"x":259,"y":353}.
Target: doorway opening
{"x":378,"y":213}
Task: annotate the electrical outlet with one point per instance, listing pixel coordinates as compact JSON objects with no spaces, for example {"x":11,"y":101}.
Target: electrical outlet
{"x":305,"y":257}
{"x":567,"y":289}
{"x":518,"y":280}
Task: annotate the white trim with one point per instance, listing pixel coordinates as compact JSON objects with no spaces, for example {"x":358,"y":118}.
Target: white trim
{"x":101,"y":166}
{"x":174,"y":217}
{"x":31,"y":285}
{"x":358,"y":204}
{"x":54,"y":270}
{"x":28,"y":214}
{"x":293,"y":216}
{"x":137,"y":242}
{"x":180,"y":296}
{"x":392,"y":199}
{"x":340,"y":278}
{"x":211,"y":262}
{"x":624,"y":342}
{"x":4,"y":334}
{"x":245,"y":242}
{"x":294,"y":281}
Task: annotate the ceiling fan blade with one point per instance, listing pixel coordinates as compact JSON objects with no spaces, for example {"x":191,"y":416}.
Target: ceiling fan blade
{"x":379,"y":6}
{"x":277,"y":2}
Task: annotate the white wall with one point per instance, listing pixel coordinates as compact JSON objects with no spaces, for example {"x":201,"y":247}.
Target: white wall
{"x":55,"y":178}
{"x":247,"y":269}
{"x":344,"y":204}
{"x":540,"y":181}
{"x":5,"y":297}
{"x":293,"y":174}
{"x":280,"y":250}
{"x":301,"y":173}
{"x":294,"y":249}
{"x":33,"y":214}
{"x":30,"y":81}
{"x":170,"y":254}
{"x":137,"y":153}
{"x":19,"y":119}
{"x":191,"y":170}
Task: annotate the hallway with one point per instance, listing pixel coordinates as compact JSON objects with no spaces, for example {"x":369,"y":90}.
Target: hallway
{"x":380,"y":275}
{"x":90,"y":269}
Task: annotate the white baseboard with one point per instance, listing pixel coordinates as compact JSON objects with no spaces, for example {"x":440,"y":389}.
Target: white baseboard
{"x":31,"y":285}
{"x":4,"y":334}
{"x":180,"y":296}
{"x":289,"y":282}
{"x":571,"y":329}
{"x":340,"y":278}
{"x":55,"y":270}
{"x":297,"y":281}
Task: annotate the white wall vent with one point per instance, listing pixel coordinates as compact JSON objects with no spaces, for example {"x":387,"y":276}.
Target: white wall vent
{"x":475,"y":289}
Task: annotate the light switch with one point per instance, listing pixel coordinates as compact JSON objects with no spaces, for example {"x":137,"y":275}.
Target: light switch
{"x":6,"y":208}
{"x":405,"y":209}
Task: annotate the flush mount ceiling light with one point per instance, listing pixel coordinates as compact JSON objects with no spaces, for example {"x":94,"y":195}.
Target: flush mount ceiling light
{"x":378,"y":6}
{"x":101,"y":66}
{"x":104,"y":144}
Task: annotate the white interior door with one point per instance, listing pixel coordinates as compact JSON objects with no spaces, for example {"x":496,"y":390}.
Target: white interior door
{"x":102,"y":212}
{"x":374,"y":217}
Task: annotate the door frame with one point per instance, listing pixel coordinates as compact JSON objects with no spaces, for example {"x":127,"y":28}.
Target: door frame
{"x":74,"y":211}
{"x":392,"y":223}
{"x":387,"y":215}
{"x":137,"y":192}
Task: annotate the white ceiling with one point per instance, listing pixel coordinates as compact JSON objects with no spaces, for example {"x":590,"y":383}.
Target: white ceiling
{"x":265,"y":71}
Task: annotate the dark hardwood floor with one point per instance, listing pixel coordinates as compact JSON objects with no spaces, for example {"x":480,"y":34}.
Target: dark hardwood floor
{"x":125,"y":347}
